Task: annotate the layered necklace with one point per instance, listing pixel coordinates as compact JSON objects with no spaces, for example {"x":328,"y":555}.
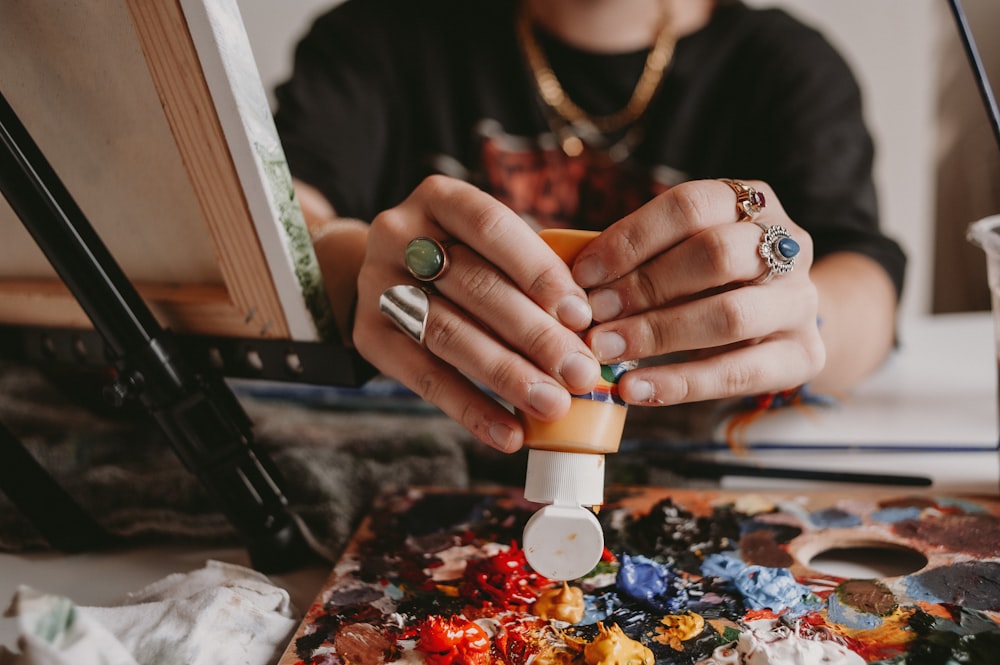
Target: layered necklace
{"x":573,"y":127}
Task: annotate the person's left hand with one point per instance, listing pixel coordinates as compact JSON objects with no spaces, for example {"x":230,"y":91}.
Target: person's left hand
{"x":677,"y":276}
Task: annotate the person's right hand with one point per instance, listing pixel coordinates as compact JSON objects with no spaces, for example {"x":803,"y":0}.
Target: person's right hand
{"x":504,"y":316}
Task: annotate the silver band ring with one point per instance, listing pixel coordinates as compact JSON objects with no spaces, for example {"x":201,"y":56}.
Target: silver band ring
{"x":778,"y":249}
{"x":426,"y":258}
{"x":407,"y":306}
{"x":749,"y":201}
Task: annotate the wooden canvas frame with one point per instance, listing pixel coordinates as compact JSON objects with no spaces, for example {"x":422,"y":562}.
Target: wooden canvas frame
{"x":153,"y":115}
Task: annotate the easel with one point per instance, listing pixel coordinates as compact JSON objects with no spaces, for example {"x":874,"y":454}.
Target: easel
{"x":176,"y":378}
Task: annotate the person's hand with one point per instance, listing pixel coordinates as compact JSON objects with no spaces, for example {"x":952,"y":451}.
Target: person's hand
{"x":505,"y":314}
{"x":678,"y":276}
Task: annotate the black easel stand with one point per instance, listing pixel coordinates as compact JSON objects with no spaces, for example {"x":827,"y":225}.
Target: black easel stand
{"x":202,"y":418}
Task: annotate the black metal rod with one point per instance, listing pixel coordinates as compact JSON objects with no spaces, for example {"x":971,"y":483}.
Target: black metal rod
{"x":35,"y":192}
{"x":204,"y":421}
{"x":978,"y":70}
{"x":59,"y":518}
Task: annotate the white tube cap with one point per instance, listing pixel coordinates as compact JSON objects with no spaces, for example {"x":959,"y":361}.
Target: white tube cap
{"x":563,"y":542}
{"x":564,"y":478}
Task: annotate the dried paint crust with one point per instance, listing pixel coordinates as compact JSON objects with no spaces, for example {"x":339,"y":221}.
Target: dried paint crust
{"x":688,"y":578}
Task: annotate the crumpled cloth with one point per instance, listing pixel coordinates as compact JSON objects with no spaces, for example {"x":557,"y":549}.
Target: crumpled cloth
{"x":221,"y":614}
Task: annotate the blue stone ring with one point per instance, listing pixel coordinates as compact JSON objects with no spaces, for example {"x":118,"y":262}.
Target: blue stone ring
{"x":778,"y":249}
{"x":426,"y":258}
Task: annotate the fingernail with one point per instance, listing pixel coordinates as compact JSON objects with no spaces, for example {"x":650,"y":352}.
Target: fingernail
{"x":580,"y":371}
{"x":606,"y":304}
{"x":546,"y":398}
{"x":502,"y":437}
{"x":590,"y":272}
{"x":574,"y":312}
{"x":640,"y":391}
{"x":608,"y":346}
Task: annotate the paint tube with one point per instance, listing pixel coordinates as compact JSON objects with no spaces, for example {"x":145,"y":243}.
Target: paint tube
{"x":565,"y":470}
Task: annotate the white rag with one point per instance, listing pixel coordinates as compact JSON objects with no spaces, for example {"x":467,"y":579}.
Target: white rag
{"x":222,"y":614}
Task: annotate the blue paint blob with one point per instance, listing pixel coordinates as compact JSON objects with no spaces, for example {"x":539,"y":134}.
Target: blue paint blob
{"x":762,"y":587}
{"x":775,"y":589}
{"x":598,"y":608}
{"x":394,"y":592}
{"x":895,"y":515}
{"x":725,"y":565}
{"x":834,"y":518}
{"x":968,"y":507}
{"x":652,"y":583}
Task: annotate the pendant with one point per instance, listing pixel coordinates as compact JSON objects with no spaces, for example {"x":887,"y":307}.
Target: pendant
{"x":571,"y":145}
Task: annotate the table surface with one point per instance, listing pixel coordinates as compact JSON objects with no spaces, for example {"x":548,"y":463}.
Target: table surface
{"x":930,"y":412}
{"x":936,"y":399}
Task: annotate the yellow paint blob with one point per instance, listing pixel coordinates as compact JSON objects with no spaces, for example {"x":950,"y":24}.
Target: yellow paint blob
{"x":563,"y":603}
{"x":753,"y":504}
{"x":677,"y":628}
{"x":613,"y":647}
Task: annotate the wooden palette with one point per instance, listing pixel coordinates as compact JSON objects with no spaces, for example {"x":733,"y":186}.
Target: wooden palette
{"x":754,"y":568}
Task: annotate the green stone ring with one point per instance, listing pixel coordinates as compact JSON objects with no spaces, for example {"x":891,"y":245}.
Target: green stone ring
{"x":426,"y":258}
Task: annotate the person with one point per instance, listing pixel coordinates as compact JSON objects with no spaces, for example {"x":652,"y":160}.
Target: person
{"x":683,"y":130}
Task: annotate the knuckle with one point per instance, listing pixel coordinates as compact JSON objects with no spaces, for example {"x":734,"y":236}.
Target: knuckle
{"x":740,"y":379}
{"x":640,"y":291}
{"x":686,"y":204}
{"x":483,"y":284}
{"x":718,"y":253}
{"x":544,"y":282}
{"x":681,"y":389}
{"x":392,"y":221}
{"x":630,"y":246}
{"x":489,"y":221}
{"x":442,"y":332}
{"x":431,"y":386}
{"x":544,"y":341}
{"x":678,"y":388}
{"x":736,"y":315}
{"x":503,"y":375}
{"x":653,"y":336}
{"x":435,"y":185}
{"x":471,"y":418}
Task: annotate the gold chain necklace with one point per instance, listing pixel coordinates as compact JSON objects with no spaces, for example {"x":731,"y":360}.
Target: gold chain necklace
{"x":555,"y":97}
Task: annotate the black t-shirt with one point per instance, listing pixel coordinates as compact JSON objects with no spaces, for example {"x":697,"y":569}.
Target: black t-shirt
{"x":385,"y":92}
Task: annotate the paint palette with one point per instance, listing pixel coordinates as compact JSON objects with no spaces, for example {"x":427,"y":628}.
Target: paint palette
{"x":688,"y":577}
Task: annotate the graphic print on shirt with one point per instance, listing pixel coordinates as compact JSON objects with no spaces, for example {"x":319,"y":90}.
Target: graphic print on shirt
{"x":541,"y":183}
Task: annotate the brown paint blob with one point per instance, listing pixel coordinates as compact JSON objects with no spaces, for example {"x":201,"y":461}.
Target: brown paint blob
{"x":759,"y":548}
{"x":978,"y":535}
{"x":869,"y":596}
{"x":362,"y":644}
